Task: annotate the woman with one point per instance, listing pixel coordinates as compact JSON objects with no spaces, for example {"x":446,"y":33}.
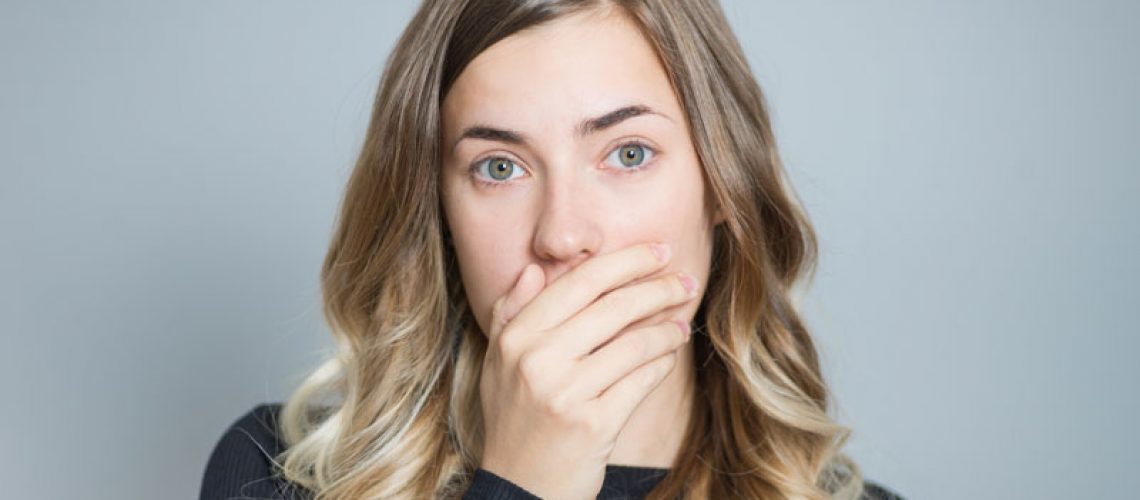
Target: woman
{"x":562,"y":269}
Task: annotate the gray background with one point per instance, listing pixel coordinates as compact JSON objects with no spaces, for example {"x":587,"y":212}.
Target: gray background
{"x":171,"y":172}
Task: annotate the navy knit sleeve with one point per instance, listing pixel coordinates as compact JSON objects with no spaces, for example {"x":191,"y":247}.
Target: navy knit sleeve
{"x":241,"y":465}
{"x":486,"y":485}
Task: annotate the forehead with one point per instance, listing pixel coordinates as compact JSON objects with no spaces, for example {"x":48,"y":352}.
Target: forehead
{"x":555,"y":73}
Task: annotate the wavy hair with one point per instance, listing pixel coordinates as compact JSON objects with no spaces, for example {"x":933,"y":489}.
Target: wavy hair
{"x":396,"y":414}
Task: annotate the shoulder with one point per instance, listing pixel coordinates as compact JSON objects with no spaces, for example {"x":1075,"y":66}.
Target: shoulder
{"x":876,"y":491}
{"x":242,"y":465}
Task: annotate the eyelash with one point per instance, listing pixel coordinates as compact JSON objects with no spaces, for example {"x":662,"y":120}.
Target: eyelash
{"x":477,"y":164}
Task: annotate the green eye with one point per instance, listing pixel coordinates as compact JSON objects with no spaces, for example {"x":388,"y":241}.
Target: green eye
{"x":496,"y":169}
{"x":500,"y":168}
{"x":631,"y":155}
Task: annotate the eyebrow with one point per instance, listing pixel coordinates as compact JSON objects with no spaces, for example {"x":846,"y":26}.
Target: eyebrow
{"x":586,"y":127}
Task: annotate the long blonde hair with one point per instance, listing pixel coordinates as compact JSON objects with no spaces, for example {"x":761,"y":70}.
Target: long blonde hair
{"x":396,"y":414}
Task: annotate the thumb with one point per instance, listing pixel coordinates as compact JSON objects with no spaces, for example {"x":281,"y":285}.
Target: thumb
{"x":530,"y":281}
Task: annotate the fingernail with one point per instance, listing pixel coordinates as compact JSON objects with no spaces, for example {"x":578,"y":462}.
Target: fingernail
{"x":662,"y":251}
{"x":690,"y":284}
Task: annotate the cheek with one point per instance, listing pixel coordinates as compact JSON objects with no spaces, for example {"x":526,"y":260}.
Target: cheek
{"x":683,"y":220}
{"x":487,"y":253}
{"x":672,"y":212}
{"x":671,"y":209}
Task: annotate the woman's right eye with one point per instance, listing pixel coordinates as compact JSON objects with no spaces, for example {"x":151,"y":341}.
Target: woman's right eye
{"x":497,"y":169}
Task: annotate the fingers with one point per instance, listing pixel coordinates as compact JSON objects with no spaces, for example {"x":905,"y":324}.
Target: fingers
{"x":582,"y":285}
{"x":614,"y":311}
{"x":626,"y":353}
{"x":530,"y":281}
{"x":627,"y":393}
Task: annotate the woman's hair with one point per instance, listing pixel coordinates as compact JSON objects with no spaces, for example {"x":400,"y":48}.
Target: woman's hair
{"x":396,"y":413}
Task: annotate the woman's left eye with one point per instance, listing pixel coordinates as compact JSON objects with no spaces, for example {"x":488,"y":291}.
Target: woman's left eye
{"x":630,"y":156}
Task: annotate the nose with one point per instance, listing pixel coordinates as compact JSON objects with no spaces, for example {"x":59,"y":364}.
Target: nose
{"x":567,"y":231}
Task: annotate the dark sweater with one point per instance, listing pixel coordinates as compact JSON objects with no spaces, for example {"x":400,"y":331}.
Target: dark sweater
{"x":240,"y":467}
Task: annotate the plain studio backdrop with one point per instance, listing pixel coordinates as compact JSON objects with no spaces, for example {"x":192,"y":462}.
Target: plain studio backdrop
{"x":171,"y":173}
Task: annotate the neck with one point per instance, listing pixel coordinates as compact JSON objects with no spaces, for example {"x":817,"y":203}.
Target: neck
{"x":655,"y":431}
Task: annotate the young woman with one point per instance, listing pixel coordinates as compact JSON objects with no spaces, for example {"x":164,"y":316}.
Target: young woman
{"x":562,"y":270}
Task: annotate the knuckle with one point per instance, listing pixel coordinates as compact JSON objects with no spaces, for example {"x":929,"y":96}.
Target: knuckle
{"x":558,"y":404}
{"x":529,"y":366}
{"x":576,"y":421}
{"x":506,"y":344}
{"x":591,"y":425}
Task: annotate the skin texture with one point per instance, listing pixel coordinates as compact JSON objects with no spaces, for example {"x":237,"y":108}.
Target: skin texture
{"x":568,"y":199}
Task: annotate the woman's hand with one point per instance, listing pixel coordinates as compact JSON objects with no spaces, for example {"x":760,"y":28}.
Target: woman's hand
{"x":553,"y":400}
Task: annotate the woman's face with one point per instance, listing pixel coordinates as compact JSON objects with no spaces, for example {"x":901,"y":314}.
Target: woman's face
{"x":566,"y":141}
